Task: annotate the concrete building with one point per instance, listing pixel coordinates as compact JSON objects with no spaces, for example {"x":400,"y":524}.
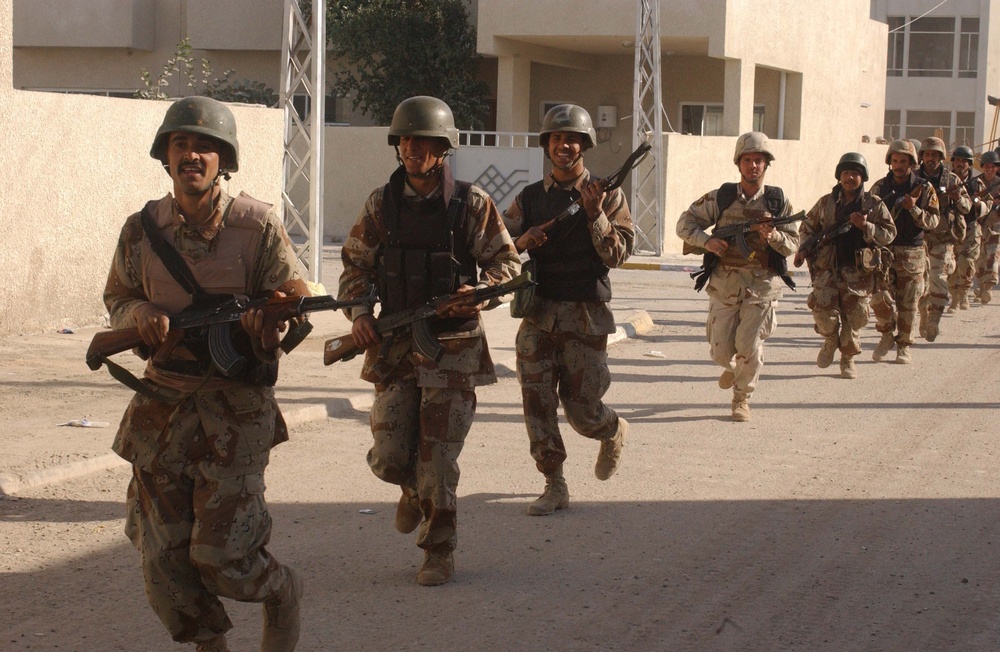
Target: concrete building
{"x":941,"y":70}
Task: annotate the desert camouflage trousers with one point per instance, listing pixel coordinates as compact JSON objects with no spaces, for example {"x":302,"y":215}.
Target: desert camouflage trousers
{"x":418,"y":435}
{"x":202,"y":529}
{"x":895,"y":307}
{"x":987,"y":263}
{"x":966,"y":255}
{"x":839,"y":303}
{"x":940,"y":265}
{"x":562,"y":366}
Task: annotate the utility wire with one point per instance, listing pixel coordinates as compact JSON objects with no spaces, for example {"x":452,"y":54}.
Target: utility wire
{"x":918,"y":17}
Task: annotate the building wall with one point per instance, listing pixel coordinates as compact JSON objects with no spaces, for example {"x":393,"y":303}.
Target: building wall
{"x":76,"y":166}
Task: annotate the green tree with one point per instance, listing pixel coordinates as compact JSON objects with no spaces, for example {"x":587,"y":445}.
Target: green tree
{"x":198,"y":77}
{"x":395,"y":49}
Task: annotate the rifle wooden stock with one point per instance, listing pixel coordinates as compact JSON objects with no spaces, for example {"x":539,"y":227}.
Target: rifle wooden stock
{"x":108,"y":343}
{"x":340,"y":348}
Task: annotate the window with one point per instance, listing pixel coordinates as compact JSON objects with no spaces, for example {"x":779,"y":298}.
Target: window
{"x":891,"y":131}
{"x":968,"y":48}
{"x":932,"y":42}
{"x":965,"y":129}
{"x":924,"y":124}
{"x":706,"y":119}
{"x":334,"y":108}
{"x":894,"y":65}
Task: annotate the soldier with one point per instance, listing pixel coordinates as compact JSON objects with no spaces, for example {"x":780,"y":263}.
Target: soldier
{"x":989,"y":221}
{"x":198,"y":442}
{"x":422,"y":235}
{"x":954,"y":204}
{"x":562,"y":341}
{"x":845,"y":264}
{"x":743,"y":291}
{"x":914,"y":208}
{"x":967,"y":251}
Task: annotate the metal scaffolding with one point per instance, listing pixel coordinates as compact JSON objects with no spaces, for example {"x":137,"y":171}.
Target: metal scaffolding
{"x":303,"y":92}
{"x":647,"y":119}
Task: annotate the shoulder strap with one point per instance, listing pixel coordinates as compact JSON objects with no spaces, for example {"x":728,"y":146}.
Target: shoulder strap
{"x":725,"y":196}
{"x":171,"y":259}
{"x":774,"y":198}
{"x":456,"y":207}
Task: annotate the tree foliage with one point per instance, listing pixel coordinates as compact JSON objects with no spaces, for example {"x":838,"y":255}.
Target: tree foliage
{"x":198,"y":77}
{"x":395,"y":49}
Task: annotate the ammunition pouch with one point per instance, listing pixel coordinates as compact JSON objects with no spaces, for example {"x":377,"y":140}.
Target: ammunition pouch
{"x":525,"y":301}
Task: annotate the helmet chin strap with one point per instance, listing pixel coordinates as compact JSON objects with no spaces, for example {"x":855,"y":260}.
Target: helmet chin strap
{"x":429,"y":173}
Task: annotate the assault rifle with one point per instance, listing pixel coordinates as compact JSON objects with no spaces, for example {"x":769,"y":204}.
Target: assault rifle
{"x":210,"y":322}
{"x":812,"y":244}
{"x":738,"y":233}
{"x":416,"y":319}
{"x":608,"y":184}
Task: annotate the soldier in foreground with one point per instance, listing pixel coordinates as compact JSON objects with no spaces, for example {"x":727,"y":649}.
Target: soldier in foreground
{"x":848,"y":231}
{"x":967,"y":251}
{"x":743,"y":290}
{"x":953,"y":205}
{"x":198,"y":442}
{"x":914,"y":209}
{"x":420,"y":236}
{"x":562,"y":343}
{"x":989,"y":221}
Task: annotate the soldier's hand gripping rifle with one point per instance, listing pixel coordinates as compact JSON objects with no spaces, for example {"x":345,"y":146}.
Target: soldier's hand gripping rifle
{"x":812,"y":244}
{"x":210,"y":321}
{"x":737,"y":233}
{"x":607,"y":184}
{"x":417,"y":321}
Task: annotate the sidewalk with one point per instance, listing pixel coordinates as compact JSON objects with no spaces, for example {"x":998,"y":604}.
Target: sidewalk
{"x":45,"y":384}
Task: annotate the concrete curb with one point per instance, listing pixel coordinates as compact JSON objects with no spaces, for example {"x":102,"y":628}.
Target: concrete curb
{"x":12,"y":484}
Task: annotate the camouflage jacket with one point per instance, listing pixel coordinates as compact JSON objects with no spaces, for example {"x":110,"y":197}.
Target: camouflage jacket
{"x":880,"y":229}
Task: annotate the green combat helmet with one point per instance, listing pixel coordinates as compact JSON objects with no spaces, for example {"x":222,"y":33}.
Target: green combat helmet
{"x":199,"y":115}
{"x":901,"y":147}
{"x":567,"y":117}
{"x":423,"y":116}
{"x":852,"y":161}
{"x":989,"y":156}
{"x":964,"y":153}
{"x":752,"y":142}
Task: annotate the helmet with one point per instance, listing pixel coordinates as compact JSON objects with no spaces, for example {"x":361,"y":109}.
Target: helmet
{"x":933,"y":144}
{"x":423,"y":116}
{"x":199,"y":115}
{"x":852,"y":161}
{"x":901,"y":147}
{"x":567,"y":117}
{"x":753,"y":141}
{"x":963,"y":152}
{"x":916,"y":145}
{"x":989,"y":157}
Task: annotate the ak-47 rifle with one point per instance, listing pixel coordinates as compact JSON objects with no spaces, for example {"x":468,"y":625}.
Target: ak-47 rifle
{"x":416,"y":319}
{"x":211,"y":320}
{"x":608,"y":184}
{"x":812,"y":244}
{"x":738,"y":233}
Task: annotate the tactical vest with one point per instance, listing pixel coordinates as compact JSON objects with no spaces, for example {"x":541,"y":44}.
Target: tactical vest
{"x":420,"y":260}
{"x":774,"y":201}
{"x":848,"y":244}
{"x":908,"y":234}
{"x":567,"y":265}
{"x":973,"y":185}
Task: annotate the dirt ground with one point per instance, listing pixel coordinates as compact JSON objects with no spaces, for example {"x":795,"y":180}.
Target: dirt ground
{"x":847,"y":515}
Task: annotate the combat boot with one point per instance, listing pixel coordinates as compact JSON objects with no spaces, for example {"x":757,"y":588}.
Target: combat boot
{"x":986,"y":295}
{"x":281,"y":615}
{"x":847,"y":369}
{"x":883,"y":347}
{"x":555,"y":496}
{"x":963,"y":302}
{"x":437,"y":569}
{"x":933,"y":328}
{"x":217,"y":644}
{"x":408,"y":513}
{"x":903,"y":354}
{"x":741,"y":408}
{"x":953,"y":306}
{"x":825,"y":357}
{"x":726,"y":379}
{"x":610,"y":455}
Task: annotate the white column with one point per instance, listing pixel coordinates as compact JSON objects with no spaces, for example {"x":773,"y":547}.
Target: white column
{"x":738,"y":99}
{"x":513,"y":94}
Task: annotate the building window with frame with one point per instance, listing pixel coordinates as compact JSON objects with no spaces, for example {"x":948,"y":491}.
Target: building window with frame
{"x":932,"y":47}
{"x":968,"y":48}
{"x":965,"y":128}
{"x":706,"y":119}
{"x":891,"y":130}
{"x":924,"y":124}
{"x":897,"y":38}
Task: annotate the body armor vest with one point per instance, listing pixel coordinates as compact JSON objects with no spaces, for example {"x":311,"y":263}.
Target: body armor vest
{"x":848,"y":244}
{"x":908,"y":234}
{"x":567,"y":264}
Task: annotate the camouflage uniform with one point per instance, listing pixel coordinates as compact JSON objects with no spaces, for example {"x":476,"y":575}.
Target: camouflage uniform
{"x":562,"y":345}
{"x":895,"y":307}
{"x":841,"y":289}
{"x":742,"y":293}
{"x":195,"y":505}
{"x":967,"y":251}
{"x":987,"y":262}
{"x":423,"y":410}
{"x":939,"y":244}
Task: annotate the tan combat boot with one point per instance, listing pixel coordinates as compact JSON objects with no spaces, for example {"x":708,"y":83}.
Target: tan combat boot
{"x":847,"y":369}
{"x":933,"y":327}
{"x":883,"y":347}
{"x":953,"y":306}
{"x":281,"y":615}
{"x":217,"y":644}
{"x":726,"y":379}
{"x":963,"y":302}
{"x":610,"y":455}
{"x":555,"y":496}
{"x":903,"y":354}
{"x":825,"y":357}
{"x":437,"y":569}
{"x":986,"y":295}
{"x":741,"y":408}
{"x":408,"y":513}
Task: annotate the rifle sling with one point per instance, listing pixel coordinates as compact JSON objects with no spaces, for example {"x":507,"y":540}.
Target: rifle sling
{"x":127,"y":378}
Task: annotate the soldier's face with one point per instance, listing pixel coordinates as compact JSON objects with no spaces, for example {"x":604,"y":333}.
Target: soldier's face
{"x":193,"y":162}
{"x":565,"y":148}
{"x":931,"y":160}
{"x":850,"y":181}
{"x":421,"y":154}
{"x":900,"y":164}
{"x":989,"y":171}
{"x":960,"y":166}
{"x":752,"y":167}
